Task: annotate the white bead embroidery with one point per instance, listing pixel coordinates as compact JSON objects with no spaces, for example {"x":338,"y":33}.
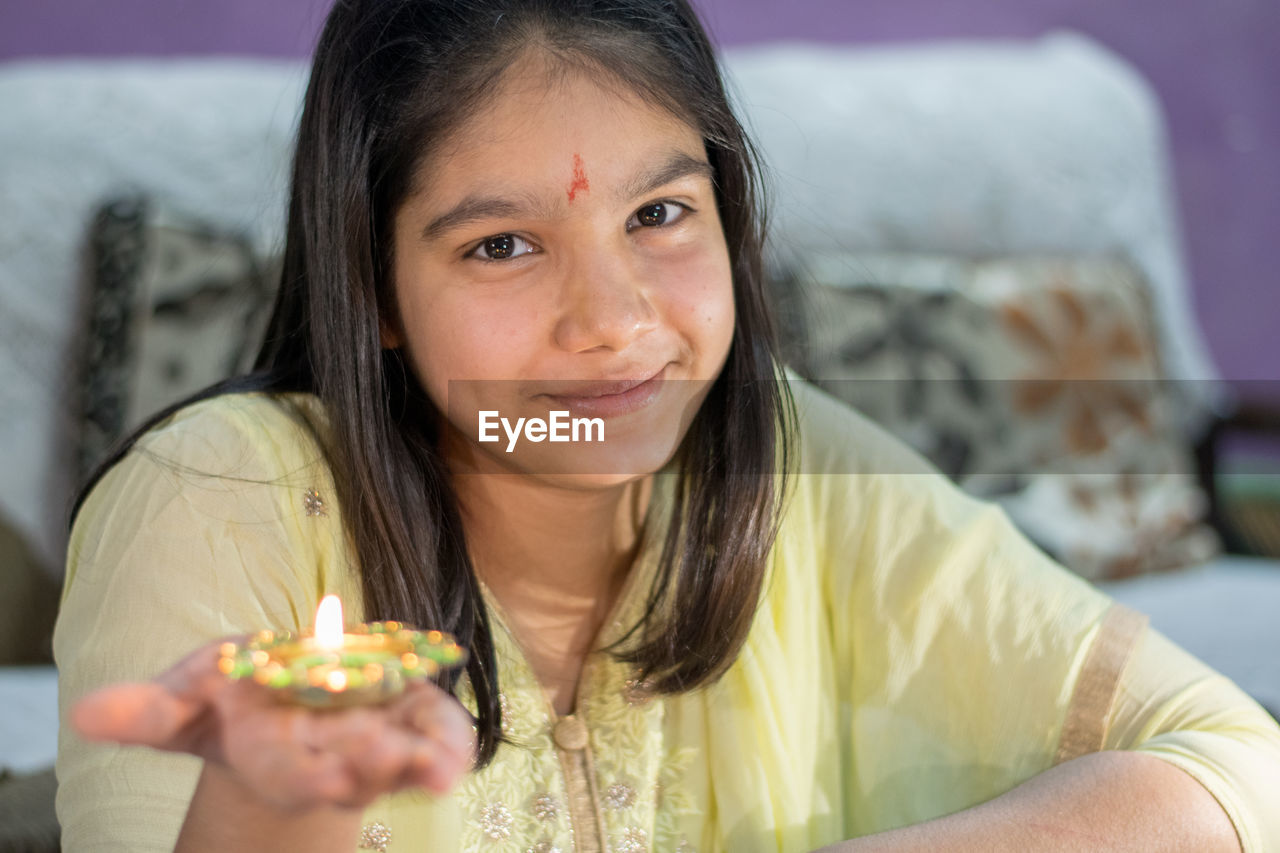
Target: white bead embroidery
{"x":619,"y":797}
{"x":543,"y":846}
{"x":545,"y":807}
{"x":375,"y":836}
{"x":495,"y":821}
{"x":313,"y":503}
{"x":633,"y":840}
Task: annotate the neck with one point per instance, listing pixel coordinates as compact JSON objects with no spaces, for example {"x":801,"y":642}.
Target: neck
{"x":559,"y":547}
{"x":555,"y":558}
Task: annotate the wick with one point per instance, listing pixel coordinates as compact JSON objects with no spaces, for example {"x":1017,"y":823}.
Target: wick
{"x":580,"y":181}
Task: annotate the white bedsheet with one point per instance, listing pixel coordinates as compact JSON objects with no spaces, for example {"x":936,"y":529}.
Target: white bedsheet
{"x":28,"y":717}
{"x":1227,"y":614}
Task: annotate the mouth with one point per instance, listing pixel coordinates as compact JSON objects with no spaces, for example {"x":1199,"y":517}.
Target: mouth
{"x":608,"y":399}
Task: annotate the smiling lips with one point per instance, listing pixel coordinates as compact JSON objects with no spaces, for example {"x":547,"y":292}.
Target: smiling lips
{"x":608,"y":399}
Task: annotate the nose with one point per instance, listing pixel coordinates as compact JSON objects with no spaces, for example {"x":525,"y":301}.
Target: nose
{"x":605,"y":303}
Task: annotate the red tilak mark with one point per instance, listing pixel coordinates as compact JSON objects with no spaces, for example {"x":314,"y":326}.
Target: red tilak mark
{"x":579,"y":178}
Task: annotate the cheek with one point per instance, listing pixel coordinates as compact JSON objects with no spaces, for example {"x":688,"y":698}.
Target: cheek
{"x":456,"y":335}
{"x":699,"y":300}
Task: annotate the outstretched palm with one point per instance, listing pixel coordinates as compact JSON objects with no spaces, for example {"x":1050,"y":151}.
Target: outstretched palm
{"x":288,"y":756}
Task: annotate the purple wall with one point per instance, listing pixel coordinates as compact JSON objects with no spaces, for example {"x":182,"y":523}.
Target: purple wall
{"x":1216,"y":66}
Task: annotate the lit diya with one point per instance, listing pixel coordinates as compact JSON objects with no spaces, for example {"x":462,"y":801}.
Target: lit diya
{"x":330,"y":668}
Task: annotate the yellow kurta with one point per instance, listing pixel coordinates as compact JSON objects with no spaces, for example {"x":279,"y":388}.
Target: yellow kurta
{"x":913,"y":655}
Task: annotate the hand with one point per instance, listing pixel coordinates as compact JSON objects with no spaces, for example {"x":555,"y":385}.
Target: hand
{"x":289,"y":757}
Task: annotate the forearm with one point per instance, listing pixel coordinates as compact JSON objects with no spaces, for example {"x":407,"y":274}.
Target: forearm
{"x":1115,"y":801}
{"x":224,"y":816}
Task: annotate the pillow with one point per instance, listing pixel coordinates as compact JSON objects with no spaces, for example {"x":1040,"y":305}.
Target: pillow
{"x":28,"y":602}
{"x":1036,"y":381}
{"x":1004,"y":147}
{"x":214,"y":134}
{"x":174,"y":305}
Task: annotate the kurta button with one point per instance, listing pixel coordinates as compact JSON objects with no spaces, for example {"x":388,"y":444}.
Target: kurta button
{"x":570,"y":733}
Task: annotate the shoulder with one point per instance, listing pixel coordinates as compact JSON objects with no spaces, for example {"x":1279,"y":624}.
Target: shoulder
{"x":228,"y":508}
{"x":247,"y":463}
{"x":848,"y":469}
{"x":870,"y":520}
{"x":249,"y":444}
{"x":837,"y":439}
{"x":239,"y":435}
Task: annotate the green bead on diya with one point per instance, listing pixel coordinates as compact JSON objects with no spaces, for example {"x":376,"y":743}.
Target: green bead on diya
{"x":367,"y":664}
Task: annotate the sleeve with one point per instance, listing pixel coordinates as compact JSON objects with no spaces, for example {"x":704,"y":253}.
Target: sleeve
{"x":1170,"y":705}
{"x":201,"y":531}
{"x":968,"y":659}
{"x":960,"y":650}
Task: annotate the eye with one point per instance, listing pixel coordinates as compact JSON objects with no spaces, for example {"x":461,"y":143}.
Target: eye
{"x":500,"y":247}
{"x":657,"y":214}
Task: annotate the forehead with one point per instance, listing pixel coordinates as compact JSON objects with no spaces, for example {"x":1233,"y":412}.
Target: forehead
{"x":540,"y":121}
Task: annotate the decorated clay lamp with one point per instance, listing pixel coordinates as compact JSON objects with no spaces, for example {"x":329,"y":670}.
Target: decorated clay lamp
{"x":365,"y":664}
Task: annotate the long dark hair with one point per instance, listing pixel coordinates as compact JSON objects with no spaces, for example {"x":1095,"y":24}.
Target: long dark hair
{"x":390,"y":79}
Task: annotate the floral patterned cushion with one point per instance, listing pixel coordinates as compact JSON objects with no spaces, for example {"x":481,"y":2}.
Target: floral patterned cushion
{"x":174,"y":305}
{"x":1035,"y":381}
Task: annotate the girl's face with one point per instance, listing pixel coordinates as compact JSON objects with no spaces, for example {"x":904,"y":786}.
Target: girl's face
{"x":563,"y":252}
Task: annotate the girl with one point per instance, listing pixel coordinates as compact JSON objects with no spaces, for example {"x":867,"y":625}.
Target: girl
{"x":740,"y":621}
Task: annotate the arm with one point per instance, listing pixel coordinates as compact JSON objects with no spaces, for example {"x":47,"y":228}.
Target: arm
{"x":1114,"y":801}
{"x":276,"y":775}
{"x":200,"y":533}
{"x":197,"y":534}
{"x":257,"y":826}
{"x":961,"y":650}
{"x":1191,"y":763}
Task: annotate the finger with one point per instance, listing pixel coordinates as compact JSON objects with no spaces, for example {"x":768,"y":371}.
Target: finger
{"x":347,"y":757}
{"x":133,"y":713}
{"x":450,"y":745}
{"x":440,"y":718}
{"x":383,"y":754}
{"x":363,"y":736}
{"x":297,"y":779}
{"x":387,"y":767}
{"x":413,"y":761}
{"x":378,"y":753}
{"x":278,"y":757}
{"x":154,"y":712}
{"x":197,"y":674}
{"x":434,"y":769}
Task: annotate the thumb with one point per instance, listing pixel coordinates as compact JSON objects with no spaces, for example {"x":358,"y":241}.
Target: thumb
{"x":132,"y":713}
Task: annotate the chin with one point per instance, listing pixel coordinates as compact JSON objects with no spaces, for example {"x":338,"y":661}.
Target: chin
{"x":606,"y":465}
{"x":586,"y":482}
{"x":625,"y":447}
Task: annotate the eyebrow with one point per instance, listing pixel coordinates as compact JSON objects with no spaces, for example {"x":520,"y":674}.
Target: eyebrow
{"x":475,"y":208}
{"x":677,"y":165}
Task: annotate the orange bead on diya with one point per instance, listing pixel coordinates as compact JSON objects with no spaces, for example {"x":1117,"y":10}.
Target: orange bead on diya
{"x":367,"y":664}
